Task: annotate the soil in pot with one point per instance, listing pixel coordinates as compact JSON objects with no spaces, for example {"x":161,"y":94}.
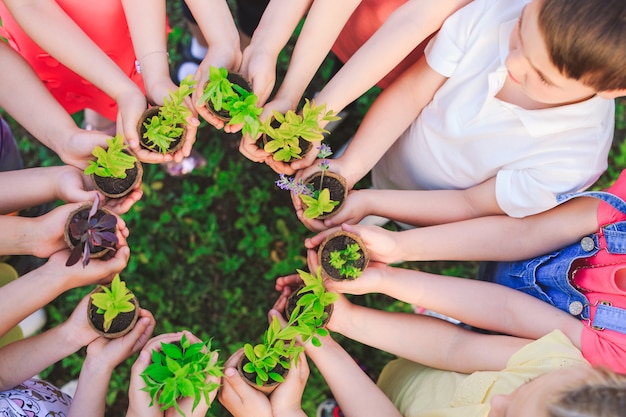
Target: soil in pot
{"x":234,"y":78}
{"x":250,"y":378}
{"x":121,"y":325}
{"x":293,"y":299}
{"x":339,"y":241}
{"x":337,"y":186}
{"x":119,"y":187}
{"x":83,"y":213}
{"x":175,"y":145}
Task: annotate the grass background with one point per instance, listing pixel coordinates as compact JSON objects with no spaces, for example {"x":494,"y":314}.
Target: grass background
{"x":206,"y":248}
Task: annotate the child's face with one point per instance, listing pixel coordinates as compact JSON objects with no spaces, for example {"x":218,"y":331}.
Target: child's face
{"x":531,"y":398}
{"x":530,"y":68}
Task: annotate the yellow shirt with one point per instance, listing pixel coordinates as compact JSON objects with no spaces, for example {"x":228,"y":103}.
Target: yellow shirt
{"x":420,"y":391}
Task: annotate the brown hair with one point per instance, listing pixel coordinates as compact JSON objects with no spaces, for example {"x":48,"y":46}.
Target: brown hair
{"x":602,"y":394}
{"x":586,"y":40}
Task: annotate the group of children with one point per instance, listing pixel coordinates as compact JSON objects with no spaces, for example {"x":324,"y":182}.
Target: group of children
{"x":494,"y":116}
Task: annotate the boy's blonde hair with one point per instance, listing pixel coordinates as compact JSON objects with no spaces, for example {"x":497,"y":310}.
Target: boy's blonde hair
{"x":586,"y":40}
{"x":602,"y":394}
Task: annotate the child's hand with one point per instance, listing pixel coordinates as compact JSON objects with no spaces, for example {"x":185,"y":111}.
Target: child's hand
{"x":97,"y":272}
{"x":122,"y":205}
{"x":354,"y":209}
{"x":77,"y":325}
{"x":381,"y":243}
{"x":109,"y":353}
{"x":287,"y":398}
{"x":73,"y":186}
{"x":49,"y":229}
{"x":240,"y":399}
{"x":259,"y":65}
{"x":76,"y":150}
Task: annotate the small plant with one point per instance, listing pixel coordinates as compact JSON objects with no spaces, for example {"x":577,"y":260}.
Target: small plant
{"x":240,"y":103}
{"x":345,"y":261}
{"x":113,"y":161}
{"x":112,"y":301}
{"x":285,"y":139}
{"x":91,"y":233}
{"x":277,"y":349}
{"x":311,"y":307}
{"x":167,"y":126}
{"x":181,"y":370}
{"x":317,"y":201}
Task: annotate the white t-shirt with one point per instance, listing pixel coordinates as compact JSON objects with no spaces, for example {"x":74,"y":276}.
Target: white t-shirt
{"x":466,"y":135}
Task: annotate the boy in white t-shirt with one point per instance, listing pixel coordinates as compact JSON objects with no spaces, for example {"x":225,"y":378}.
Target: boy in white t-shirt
{"x":515,"y":97}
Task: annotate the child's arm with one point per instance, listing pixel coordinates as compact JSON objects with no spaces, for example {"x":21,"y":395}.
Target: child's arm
{"x":274,"y":30}
{"x":103,"y":355}
{"x":33,"y":186}
{"x":355,"y":392}
{"x":497,"y":238}
{"x":435,"y":342}
{"x":147,"y":24}
{"x":23,"y":296}
{"x":388,"y":117}
{"x":216,"y":23}
{"x":20,"y":87}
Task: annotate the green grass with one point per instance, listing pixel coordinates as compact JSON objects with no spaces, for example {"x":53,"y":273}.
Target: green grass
{"x":206,"y":249}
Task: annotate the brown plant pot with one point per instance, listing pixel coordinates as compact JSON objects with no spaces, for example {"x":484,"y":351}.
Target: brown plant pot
{"x":83,"y":211}
{"x":121,"y":325}
{"x":234,"y":78}
{"x":337,"y":186}
{"x":119,"y":187}
{"x":293,"y":299}
{"x":141,"y":129}
{"x":250,"y":379}
{"x":339,"y":241}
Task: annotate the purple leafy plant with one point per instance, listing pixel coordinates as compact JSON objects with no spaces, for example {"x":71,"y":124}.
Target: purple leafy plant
{"x":91,"y":233}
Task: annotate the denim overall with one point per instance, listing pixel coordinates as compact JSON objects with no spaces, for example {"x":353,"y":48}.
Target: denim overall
{"x":547,"y":277}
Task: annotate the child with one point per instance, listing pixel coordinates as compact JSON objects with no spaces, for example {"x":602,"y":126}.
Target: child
{"x":87,"y":65}
{"x":464,"y":372}
{"x":139,"y":400}
{"x":403,"y":24}
{"x":20,"y":360}
{"x":484,"y":107}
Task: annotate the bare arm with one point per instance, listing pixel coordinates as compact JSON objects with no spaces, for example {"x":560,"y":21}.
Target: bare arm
{"x":355,"y":392}
{"x":276,"y":26}
{"x":388,"y":117}
{"x":405,"y":28}
{"x":322,"y":26}
{"x":497,"y":237}
{"x":437,"y":343}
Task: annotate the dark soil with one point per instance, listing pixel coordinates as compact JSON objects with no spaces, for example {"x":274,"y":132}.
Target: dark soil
{"x":118,"y":187}
{"x":339,"y":242}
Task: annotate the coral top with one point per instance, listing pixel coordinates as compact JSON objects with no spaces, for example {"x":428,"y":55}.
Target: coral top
{"x":366,"y":19}
{"x":105,"y":23}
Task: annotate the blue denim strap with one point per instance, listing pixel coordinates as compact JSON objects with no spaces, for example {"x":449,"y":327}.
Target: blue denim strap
{"x":610,"y":318}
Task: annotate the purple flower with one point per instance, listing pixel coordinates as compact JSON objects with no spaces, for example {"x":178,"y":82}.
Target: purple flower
{"x":325,"y":151}
{"x":297,"y":187}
